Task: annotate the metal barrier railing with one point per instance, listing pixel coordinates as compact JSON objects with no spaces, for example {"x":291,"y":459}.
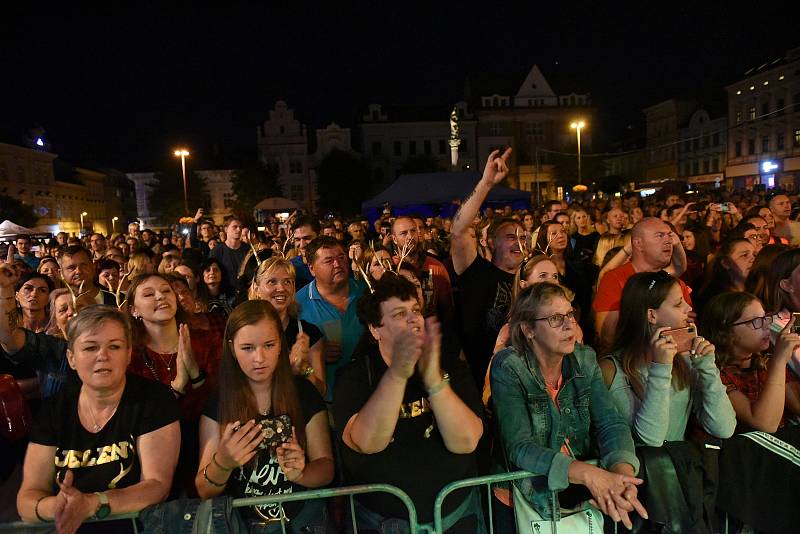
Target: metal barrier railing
{"x":488,"y":481}
{"x":347,"y":491}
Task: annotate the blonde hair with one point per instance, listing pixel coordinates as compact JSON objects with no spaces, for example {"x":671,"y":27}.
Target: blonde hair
{"x":266,"y":268}
{"x":137,"y":265}
{"x":604,"y":244}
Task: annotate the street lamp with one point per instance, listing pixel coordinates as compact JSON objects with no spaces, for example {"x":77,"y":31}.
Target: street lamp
{"x":182,"y":153}
{"x":84,"y":214}
{"x":114,"y":225}
{"x":578,"y":126}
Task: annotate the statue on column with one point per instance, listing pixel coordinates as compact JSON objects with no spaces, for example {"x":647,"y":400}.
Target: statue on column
{"x":455,"y":137}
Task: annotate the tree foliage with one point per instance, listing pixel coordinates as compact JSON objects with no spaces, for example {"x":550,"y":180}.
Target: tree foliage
{"x":253,"y":184}
{"x":166,"y":199}
{"x":342,"y":182}
{"x":17,"y":212}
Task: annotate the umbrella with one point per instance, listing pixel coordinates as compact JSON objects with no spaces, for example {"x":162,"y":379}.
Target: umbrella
{"x":277,"y":203}
{"x":9,"y":229}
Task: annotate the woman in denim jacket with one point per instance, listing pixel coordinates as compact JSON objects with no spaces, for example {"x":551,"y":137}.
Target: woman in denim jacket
{"x":553,"y":409}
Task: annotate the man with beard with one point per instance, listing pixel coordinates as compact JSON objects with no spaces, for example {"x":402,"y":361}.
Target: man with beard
{"x":405,"y":234}
{"x":78,"y":268}
{"x":329,"y":302}
{"x":484,"y":287}
{"x":653,"y":247}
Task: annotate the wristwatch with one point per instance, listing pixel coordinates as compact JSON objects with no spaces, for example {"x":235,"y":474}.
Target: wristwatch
{"x":103,"y":510}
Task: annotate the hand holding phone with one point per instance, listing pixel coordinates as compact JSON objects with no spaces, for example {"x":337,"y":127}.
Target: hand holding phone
{"x":682,"y":337}
{"x":277,"y":431}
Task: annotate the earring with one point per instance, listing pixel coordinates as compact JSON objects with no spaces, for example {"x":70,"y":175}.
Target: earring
{"x":530,"y":337}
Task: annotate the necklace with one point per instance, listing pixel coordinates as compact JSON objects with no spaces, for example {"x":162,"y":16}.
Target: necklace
{"x":97,"y":426}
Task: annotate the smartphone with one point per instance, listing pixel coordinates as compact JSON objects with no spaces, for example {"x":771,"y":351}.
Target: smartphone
{"x":278,"y":431}
{"x":725,"y":207}
{"x":683,"y":337}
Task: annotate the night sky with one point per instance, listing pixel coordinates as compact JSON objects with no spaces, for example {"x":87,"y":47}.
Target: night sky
{"x":120,"y":89}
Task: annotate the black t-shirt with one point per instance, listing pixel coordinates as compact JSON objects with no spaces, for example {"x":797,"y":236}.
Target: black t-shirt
{"x":108,"y":459}
{"x":418,"y":465}
{"x":291,"y":331}
{"x":231,"y":259}
{"x":264,"y":476}
{"x":484,"y":295}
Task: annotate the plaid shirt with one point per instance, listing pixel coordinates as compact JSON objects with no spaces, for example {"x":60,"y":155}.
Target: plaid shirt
{"x":750,"y":382}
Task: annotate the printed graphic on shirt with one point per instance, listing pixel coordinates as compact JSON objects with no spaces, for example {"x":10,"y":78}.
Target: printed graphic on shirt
{"x":497,"y":314}
{"x":266,"y":479}
{"x":101,"y":459}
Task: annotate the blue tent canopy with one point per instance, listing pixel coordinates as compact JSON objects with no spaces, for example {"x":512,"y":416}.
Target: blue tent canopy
{"x":438,"y":193}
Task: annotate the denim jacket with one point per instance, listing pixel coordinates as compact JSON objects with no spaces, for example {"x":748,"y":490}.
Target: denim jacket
{"x":532,"y":429}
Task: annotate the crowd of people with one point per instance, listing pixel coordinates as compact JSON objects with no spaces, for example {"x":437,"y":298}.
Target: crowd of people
{"x":591,"y":343}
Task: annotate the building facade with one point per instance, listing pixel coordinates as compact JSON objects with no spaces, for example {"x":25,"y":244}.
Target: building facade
{"x":702,"y":150}
{"x":283,"y":141}
{"x":535,"y":122}
{"x":764,"y":117}
{"x":663,"y":124}
{"x":389,"y":138}
{"x":59,"y":193}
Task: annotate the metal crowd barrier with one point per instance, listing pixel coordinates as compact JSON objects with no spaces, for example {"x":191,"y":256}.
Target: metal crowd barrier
{"x":348,"y":491}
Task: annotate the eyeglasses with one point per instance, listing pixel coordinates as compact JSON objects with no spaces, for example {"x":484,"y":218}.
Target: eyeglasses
{"x":757,"y":322}
{"x":557,"y":319}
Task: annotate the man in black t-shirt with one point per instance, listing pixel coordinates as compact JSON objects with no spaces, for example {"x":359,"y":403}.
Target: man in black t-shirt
{"x":231,"y":253}
{"x":484,"y":288}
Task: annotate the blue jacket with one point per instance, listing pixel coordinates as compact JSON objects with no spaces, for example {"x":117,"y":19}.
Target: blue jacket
{"x":532,"y":429}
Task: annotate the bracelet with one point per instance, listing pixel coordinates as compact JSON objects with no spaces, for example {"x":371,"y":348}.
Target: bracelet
{"x":36,"y":509}
{"x":205,"y":476}
{"x":308,"y":371}
{"x":440,"y":386}
{"x":214,"y":459}
{"x":200,"y":377}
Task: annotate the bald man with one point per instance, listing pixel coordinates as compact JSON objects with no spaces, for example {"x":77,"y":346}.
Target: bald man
{"x":654,"y":247}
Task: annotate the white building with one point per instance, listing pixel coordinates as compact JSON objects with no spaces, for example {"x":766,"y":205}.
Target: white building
{"x":764,"y":119}
{"x":702,"y":149}
{"x":283,"y":141}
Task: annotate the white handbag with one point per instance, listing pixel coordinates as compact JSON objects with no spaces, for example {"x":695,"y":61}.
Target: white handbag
{"x":582,"y":520}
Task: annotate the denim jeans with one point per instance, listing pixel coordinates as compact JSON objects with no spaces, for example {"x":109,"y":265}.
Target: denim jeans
{"x":368,"y":520}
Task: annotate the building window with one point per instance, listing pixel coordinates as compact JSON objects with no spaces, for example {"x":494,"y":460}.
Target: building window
{"x":695,"y":143}
{"x":296,"y":167}
{"x":751,"y":146}
{"x":738,"y":149}
{"x":705,"y":141}
{"x":764,"y":109}
{"x":797,"y":137}
{"x":687,"y":146}
{"x":442,"y":146}
{"x":738,"y":117}
{"x":716,"y":139}
{"x":412,"y":148}
{"x":695,"y":167}
{"x":779,"y":142}
{"x":376,"y":148}
{"x":374,"y":114}
{"x":705,"y":167}
{"x":765,"y":144}
{"x":495,"y":128}
{"x":752,"y":113}
{"x":427,"y":146}
{"x":398,"y":148}
{"x":715,"y":165}
{"x":779,"y":106}
{"x":796,"y":101}
{"x":297,"y":192}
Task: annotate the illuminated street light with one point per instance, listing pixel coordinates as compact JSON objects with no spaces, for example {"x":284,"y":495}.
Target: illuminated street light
{"x":114,"y":225}
{"x":84,"y":214}
{"x":182,"y":153}
{"x":578,"y":126}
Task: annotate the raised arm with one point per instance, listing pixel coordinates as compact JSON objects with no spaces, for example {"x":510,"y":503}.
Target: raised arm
{"x":677,"y":266}
{"x":370,"y":430}
{"x":462,"y":248}
{"x":12,"y":337}
{"x":460,"y":427}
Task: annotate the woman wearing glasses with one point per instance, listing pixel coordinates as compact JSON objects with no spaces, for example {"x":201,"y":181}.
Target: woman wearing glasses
{"x":762,"y":390}
{"x":655,"y":387}
{"x":553,"y":411}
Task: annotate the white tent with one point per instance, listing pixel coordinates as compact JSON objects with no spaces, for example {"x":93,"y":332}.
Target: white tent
{"x":9,"y":229}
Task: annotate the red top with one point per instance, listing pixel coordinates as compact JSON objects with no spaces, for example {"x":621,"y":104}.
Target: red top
{"x":609,"y":290}
{"x":162,"y":368}
{"x":749,"y":383}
